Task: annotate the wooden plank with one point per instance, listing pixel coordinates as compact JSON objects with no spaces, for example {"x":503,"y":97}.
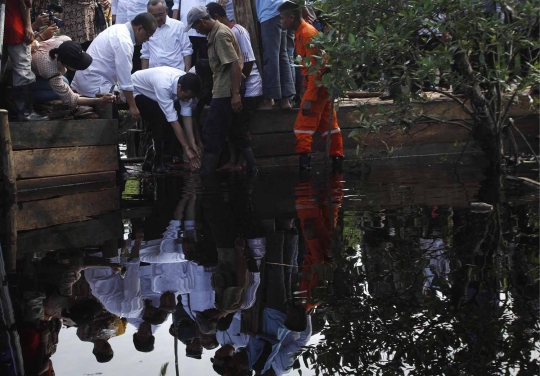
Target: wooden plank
{"x":64,"y":133}
{"x":66,"y":209}
{"x":10,"y":192}
{"x":72,"y":235}
{"x":39,"y":163}
{"x":42,"y":188}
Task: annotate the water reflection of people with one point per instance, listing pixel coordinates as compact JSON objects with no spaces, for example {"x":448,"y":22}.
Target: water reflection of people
{"x":98,"y":331}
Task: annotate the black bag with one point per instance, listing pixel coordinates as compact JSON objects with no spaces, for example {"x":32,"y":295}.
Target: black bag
{"x":99,"y":20}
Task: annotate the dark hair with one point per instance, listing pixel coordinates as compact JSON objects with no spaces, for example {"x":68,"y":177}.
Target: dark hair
{"x":296,"y":319}
{"x":215,"y":8}
{"x":53,"y":53}
{"x":191,"y":83}
{"x":291,"y":9}
{"x":220,"y":367}
{"x":225,"y":322}
{"x":83,"y":312}
{"x":144,"y":346}
{"x":146,"y":20}
{"x":103,"y":357}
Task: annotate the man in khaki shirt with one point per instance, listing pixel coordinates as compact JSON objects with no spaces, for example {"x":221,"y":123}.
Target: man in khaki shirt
{"x":226,"y":62}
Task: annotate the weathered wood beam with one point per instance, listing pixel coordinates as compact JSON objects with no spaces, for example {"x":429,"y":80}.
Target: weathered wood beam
{"x":10,"y":193}
{"x":39,"y":163}
{"x":64,"y":133}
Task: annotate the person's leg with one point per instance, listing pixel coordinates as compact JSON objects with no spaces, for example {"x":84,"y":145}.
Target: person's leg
{"x":271,"y":36}
{"x":156,"y":121}
{"x":286,"y":69}
{"x":215,"y":133}
{"x":239,"y":134}
{"x":336,"y":140}
{"x":42,"y":91}
{"x":304,"y":128}
{"x":195,"y":48}
{"x":23,"y":77}
{"x":276,"y":297}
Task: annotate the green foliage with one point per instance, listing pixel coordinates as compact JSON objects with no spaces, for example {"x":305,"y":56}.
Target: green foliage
{"x":489,"y":50}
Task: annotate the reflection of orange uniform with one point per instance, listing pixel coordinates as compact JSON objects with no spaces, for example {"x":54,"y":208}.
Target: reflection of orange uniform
{"x":306,"y":126}
{"x":317,"y":220}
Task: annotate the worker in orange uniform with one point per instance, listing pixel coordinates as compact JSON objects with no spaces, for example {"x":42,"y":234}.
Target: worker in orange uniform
{"x":314,"y":114}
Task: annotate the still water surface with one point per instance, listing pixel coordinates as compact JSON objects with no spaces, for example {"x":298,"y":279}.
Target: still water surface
{"x":390,"y":271}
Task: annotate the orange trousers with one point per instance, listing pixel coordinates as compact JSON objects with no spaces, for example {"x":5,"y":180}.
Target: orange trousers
{"x":306,"y":126}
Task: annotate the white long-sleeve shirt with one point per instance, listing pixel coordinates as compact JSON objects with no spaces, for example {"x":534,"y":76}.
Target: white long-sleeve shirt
{"x":135,"y":7}
{"x":165,"y":250}
{"x":294,"y":341}
{"x":119,"y":9}
{"x":160,"y":85}
{"x":120,"y":296}
{"x":168,"y":46}
{"x":112,"y":54}
{"x":202,"y":296}
{"x":184,"y":10}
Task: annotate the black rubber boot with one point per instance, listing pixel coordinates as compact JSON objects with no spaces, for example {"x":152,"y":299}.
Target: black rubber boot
{"x":208,"y":165}
{"x":251,"y":163}
{"x":337,"y":165}
{"x":305,"y":162}
{"x":22,"y":96}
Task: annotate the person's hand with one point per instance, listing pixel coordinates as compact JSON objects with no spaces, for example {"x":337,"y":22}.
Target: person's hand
{"x":48,"y":33}
{"x":306,"y":108}
{"x":108,"y":98}
{"x":236,"y":103}
{"x":28,"y":35}
{"x":135,"y":114}
{"x":41,"y":20}
{"x":196,"y":149}
{"x":194,"y":159}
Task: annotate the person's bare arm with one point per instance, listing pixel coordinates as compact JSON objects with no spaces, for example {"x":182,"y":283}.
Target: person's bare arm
{"x":133,"y":110}
{"x":27,"y":22}
{"x":236,"y":81}
{"x":193,"y":156}
{"x":187,"y":62}
{"x":248,"y":67}
{"x":144,"y":63}
{"x":188,"y":126}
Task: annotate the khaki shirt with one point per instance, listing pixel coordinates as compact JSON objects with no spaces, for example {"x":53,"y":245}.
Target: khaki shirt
{"x":223,"y":49}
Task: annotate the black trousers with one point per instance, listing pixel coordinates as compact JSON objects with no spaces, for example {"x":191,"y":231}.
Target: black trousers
{"x":154,"y":119}
{"x":216,"y":125}
{"x":239,"y":131}
{"x":200,"y":49}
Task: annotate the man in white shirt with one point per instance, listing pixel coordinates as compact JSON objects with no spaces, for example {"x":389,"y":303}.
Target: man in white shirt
{"x":252,"y":82}
{"x":198,"y":41}
{"x":112,"y":54}
{"x":119,"y":11}
{"x":170,"y":45}
{"x":156,"y":90}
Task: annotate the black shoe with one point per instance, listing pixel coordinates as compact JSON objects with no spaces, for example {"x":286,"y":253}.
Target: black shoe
{"x":305,"y":162}
{"x":337,"y":165}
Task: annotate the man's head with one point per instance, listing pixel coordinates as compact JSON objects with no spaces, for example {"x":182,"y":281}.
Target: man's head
{"x":296,"y":319}
{"x":144,"y":340}
{"x":231,"y":363}
{"x":189,"y":86}
{"x":102,"y":351}
{"x":209,"y":341}
{"x":291,"y":15}
{"x":158,"y":9}
{"x":167,"y":302}
{"x":194,"y":349}
{"x":153,"y":315}
{"x":199,"y":19}
{"x":144,"y":26}
{"x":217,"y":12}
{"x":208,"y":320}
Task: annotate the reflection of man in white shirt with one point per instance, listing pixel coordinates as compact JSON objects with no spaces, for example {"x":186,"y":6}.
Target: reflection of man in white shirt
{"x":170,"y":45}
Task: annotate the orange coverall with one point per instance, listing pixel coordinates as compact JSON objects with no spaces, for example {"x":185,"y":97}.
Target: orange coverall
{"x":306,"y":126}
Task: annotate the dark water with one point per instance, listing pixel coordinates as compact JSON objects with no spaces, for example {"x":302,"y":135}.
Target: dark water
{"x":397,"y":272}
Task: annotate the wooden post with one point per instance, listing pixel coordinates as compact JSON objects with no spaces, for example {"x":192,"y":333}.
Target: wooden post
{"x":244,"y":15}
{"x":9,"y":177}
{"x":104,"y":110}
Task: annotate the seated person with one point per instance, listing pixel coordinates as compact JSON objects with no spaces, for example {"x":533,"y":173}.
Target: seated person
{"x":50,"y":62}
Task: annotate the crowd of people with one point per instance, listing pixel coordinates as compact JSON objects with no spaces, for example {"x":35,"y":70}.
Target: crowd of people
{"x":165,"y":60}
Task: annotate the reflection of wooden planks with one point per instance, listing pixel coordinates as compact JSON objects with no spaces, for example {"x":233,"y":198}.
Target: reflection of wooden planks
{"x":64,"y":133}
{"x":42,"y":188}
{"x":72,"y":235}
{"x":65,"y":209}
{"x":64,"y":161}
